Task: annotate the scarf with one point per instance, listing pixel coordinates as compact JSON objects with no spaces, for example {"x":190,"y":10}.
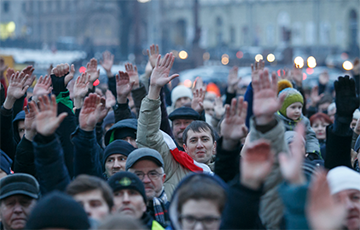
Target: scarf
{"x":161,"y":214}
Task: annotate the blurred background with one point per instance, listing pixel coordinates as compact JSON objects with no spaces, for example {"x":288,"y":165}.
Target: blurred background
{"x":207,"y":36}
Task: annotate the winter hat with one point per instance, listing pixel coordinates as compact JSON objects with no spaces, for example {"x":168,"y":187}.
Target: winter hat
{"x":118,"y":147}
{"x":144,"y":154}
{"x":5,"y":162}
{"x":127,"y":180}
{"x":180,"y":91}
{"x":342,"y":178}
{"x":292,"y":96}
{"x":19,"y":184}
{"x":283,"y":84}
{"x":58,"y":210}
{"x":109,"y":119}
{"x":184,"y":113}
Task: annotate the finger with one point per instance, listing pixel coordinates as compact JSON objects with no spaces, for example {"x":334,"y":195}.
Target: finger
{"x":148,"y":53}
{"x":135,"y":68}
{"x":233,"y":107}
{"x":25,"y":89}
{"x":53,"y":104}
{"x":172,"y":61}
{"x":172,"y":77}
{"x":281,"y":100}
{"x":40,"y":79}
{"x":239,"y":107}
{"x":274,"y":85}
{"x":61,"y":117}
{"x":227,"y":111}
{"x":243,"y":113}
{"x":156,"y":49}
{"x":157,"y":63}
{"x":252,"y":68}
{"x":26,"y":110}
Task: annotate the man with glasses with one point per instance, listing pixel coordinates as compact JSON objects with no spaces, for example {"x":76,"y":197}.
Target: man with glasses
{"x":148,"y":164}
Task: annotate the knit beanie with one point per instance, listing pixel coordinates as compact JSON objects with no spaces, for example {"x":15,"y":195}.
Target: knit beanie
{"x":58,"y":210}
{"x":5,"y":162}
{"x":292,"y":96}
{"x":342,"y":178}
{"x":180,"y":91}
{"x":118,"y":147}
{"x":109,"y":119}
{"x":127,"y":180}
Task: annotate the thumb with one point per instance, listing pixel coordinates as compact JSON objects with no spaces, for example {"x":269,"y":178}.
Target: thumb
{"x":283,"y":158}
{"x":281,"y":100}
{"x":24,"y":89}
{"x":172,"y":77}
{"x":61,"y":117}
{"x":132,"y":85}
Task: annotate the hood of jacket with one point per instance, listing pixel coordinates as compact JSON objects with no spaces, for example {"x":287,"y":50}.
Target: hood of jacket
{"x":126,"y":123}
{"x":19,"y":117}
{"x":173,"y":213}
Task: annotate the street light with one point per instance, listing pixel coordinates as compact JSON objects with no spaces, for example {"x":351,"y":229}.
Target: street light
{"x":347,"y":65}
{"x":299,"y":61}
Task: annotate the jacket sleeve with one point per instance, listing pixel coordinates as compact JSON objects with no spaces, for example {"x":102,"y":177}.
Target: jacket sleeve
{"x":112,"y":85}
{"x":242,"y":208}
{"x":49,"y":163}
{"x":271,"y":207}
{"x":248,"y":97}
{"x":138,"y":94}
{"x":122,"y":111}
{"x":165,"y":124}
{"x":312,"y":143}
{"x":87,"y":153}
{"x":7,"y":141}
{"x":294,"y":199}
{"x":24,"y":158}
{"x":227,"y":162}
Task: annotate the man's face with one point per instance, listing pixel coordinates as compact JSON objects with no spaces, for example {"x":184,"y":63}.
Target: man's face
{"x":353,"y":123}
{"x":352,"y":220}
{"x":21,"y":128}
{"x":200,"y":146}
{"x":153,"y":184}
{"x":181,"y":101}
{"x":178,"y":127}
{"x":129,"y":202}
{"x":15,"y":210}
{"x":93,"y":203}
{"x":294,"y":111}
{"x":209,"y":107}
{"x":115,"y":163}
{"x":131,"y":141}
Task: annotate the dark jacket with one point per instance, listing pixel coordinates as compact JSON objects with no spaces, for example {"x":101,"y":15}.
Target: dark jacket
{"x":24,"y":158}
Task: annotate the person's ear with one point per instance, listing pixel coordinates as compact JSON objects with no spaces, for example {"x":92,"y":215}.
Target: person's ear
{"x":163,"y":178}
{"x":214,"y":148}
{"x":185,"y":147}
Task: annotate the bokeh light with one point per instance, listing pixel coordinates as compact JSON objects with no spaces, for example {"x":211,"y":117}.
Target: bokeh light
{"x":183,"y":54}
{"x":206,"y":56}
{"x":225,"y":60}
{"x":270,"y":58}
{"x":311,"y":62}
{"x":258,"y":57}
{"x":239,"y":54}
{"x":347,"y":65}
{"x":299,"y":61}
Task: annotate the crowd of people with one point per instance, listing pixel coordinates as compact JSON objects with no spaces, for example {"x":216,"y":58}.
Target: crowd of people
{"x":136,"y":153}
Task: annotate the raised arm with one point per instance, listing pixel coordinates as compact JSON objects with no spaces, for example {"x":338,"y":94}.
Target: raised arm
{"x":123,"y":89}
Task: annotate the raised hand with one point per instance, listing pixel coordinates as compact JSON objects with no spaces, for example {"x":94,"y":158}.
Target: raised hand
{"x":198,"y":100}
{"x":233,"y":127}
{"x":64,"y":71}
{"x":297,"y":75}
{"x":30,"y":125}
{"x":256,"y":164}
{"x":133,"y":74}
{"x":256,"y":69}
{"x":345,"y":99}
{"x":16,"y":89}
{"x":3,"y":67}
{"x":46,"y":118}
{"x":233,"y":79}
{"x":265,"y":102}
{"x":90,"y":112}
{"x":9,"y":73}
{"x":291,"y":165}
{"x":80,"y":89}
{"x":92,"y":70}
{"x":323,"y":212}
{"x":107,"y":62}
{"x":104,"y":109}
{"x":43,"y":86}
{"x":123,"y":87}
{"x":199,"y":84}
{"x":219,"y":108}
{"x":29,"y":71}
{"x":153,"y":54}
{"x":110,"y":99}
{"x":315,"y":97}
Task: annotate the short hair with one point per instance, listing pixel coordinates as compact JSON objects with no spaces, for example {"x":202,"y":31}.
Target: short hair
{"x":320,"y":116}
{"x":327,"y":98}
{"x":201,"y":188}
{"x":85,"y":183}
{"x":119,"y":221}
{"x":198,"y":126}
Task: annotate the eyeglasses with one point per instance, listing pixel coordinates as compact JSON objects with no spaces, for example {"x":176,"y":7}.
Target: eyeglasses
{"x":207,"y":221}
{"x":153,"y":175}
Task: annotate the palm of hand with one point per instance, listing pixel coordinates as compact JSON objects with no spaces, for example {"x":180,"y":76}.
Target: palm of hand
{"x":107,"y":64}
{"x":257,"y":162}
{"x":30,"y":121}
{"x":40,"y":89}
{"x":265,"y":102}
{"x":123,"y":87}
{"x":233,"y":128}
{"x":134,"y":76}
{"x":87,"y":116}
{"x":46,"y":122}
{"x":80,"y":90}
{"x":93,"y":74}
{"x":15,"y":90}
{"x":160,"y":76}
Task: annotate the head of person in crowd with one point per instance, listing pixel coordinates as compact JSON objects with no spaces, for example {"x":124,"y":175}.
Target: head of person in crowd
{"x":148,"y":165}
{"x":19,"y":193}
{"x":129,"y":194}
{"x":58,"y":211}
{"x":208,"y":107}
{"x":331,"y":111}
{"x":115,"y":156}
{"x":293,"y":102}
{"x":180,"y":96}
{"x":199,"y":141}
{"x":319,"y":122}
{"x":123,"y":130}
{"x":345,"y":183}
{"x":94,"y":195}
{"x":210,"y":96}
{"x":120,"y":222}
{"x":242,"y":85}
{"x":19,"y":126}
{"x":181,"y":118}
{"x":355,"y":118}
{"x":198,"y":202}
{"x":324,"y":103}
{"x":109,"y":121}
{"x":5,"y":164}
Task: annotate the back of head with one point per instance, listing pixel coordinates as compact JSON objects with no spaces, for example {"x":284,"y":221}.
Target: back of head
{"x":57,"y":210}
{"x":85,"y":183}
{"x":121,"y":222}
